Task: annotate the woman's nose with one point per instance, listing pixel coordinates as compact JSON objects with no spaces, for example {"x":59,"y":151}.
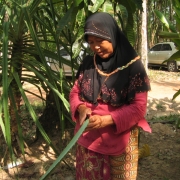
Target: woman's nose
{"x":96,"y":46}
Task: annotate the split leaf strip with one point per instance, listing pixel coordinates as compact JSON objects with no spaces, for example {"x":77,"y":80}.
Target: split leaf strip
{"x":66,"y":150}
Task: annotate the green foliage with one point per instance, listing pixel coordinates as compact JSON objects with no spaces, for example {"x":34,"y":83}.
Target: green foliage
{"x":96,"y":5}
{"x":172,"y":32}
{"x":172,"y":118}
{"x":24,"y":41}
{"x":125,"y":10}
{"x":159,"y":106}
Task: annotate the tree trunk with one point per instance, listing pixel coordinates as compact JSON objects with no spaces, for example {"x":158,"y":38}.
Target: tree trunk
{"x":139,"y":35}
{"x":144,"y":36}
{"x":50,"y":118}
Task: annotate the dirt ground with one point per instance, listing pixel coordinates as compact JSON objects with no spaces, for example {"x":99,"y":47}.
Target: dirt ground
{"x":164,"y":141}
{"x":163,"y":162}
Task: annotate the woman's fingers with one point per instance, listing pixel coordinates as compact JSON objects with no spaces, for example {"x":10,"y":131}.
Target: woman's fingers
{"x":81,"y":120}
{"x":94,"y":123}
{"x":84,"y":114}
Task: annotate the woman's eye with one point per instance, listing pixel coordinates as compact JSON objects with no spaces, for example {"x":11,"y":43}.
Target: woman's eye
{"x":90,"y":42}
{"x":100,"y":40}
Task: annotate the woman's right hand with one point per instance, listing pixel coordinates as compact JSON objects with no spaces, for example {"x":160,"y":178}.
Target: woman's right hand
{"x":84,"y":112}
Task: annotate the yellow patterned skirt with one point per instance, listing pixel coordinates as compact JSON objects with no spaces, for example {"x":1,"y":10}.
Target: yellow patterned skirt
{"x":124,"y":166}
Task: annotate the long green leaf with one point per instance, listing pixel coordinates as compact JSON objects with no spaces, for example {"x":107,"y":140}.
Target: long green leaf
{"x":177,"y":10}
{"x":69,"y":17}
{"x":53,"y":88}
{"x":176,"y":94}
{"x":2,"y":12}
{"x":34,"y":36}
{"x":169,"y":35}
{"x":1,"y":120}
{"x":129,"y":4}
{"x":66,"y":150}
{"x":5,"y":83}
{"x":165,"y":21}
{"x":34,"y":6}
{"x":130,"y":33}
{"x":18,"y":120}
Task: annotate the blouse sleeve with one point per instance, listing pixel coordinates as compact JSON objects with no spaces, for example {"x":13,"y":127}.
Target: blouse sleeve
{"x":130,"y":115}
{"x":74,"y":100}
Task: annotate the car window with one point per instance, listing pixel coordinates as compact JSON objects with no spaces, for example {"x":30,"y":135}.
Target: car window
{"x":63,"y":52}
{"x":166,"y":47}
{"x":156,"y":47}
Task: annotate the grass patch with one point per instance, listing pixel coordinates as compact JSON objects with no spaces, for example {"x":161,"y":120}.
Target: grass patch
{"x":172,"y":118}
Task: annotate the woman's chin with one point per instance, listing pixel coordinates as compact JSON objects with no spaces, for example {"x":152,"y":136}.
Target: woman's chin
{"x":103,"y":56}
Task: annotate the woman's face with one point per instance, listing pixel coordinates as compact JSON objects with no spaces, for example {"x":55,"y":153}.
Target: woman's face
{"x":99,"y":46}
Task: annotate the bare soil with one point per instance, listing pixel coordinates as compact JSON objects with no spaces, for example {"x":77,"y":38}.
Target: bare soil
{"x":161,"y":160}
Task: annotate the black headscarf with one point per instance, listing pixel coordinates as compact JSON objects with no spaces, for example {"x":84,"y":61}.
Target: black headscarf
{"x":120,"y":87}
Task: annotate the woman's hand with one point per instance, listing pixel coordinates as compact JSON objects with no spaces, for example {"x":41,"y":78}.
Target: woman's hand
{"x":84,"y":112}
{"x":96,"y":122}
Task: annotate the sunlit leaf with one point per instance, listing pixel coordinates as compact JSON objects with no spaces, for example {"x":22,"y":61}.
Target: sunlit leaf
{"x":96,"y":6}
{"x":175,"y":56}
{"x":176,"y":94}
{"x":169,"y":35}
{"x":165,"y":21}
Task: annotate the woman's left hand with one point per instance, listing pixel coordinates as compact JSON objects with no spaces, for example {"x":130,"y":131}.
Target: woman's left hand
{"x":97,"y":121}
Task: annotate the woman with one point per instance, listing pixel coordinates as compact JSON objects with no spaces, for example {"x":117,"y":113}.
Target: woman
{"x":111,"y":91}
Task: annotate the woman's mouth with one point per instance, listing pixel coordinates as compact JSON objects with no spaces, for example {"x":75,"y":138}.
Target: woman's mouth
{"x":100,"y":53}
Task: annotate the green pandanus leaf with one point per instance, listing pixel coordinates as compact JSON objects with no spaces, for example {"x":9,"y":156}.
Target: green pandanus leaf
{"x":66,"y":150}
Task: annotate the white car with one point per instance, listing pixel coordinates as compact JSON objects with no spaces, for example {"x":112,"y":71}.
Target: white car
{"x":55,"y":64}
{"x":64,"y":54}
{"x":161,"y":52}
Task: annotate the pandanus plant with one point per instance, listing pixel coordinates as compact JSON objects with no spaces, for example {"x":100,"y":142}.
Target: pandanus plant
{"x":28,"y":32}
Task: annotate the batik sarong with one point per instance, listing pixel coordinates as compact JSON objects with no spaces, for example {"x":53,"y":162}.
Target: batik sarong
{"x":91,"y":165}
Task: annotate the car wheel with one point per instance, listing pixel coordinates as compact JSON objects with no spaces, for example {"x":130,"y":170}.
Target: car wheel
{"x":172,"y":66}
